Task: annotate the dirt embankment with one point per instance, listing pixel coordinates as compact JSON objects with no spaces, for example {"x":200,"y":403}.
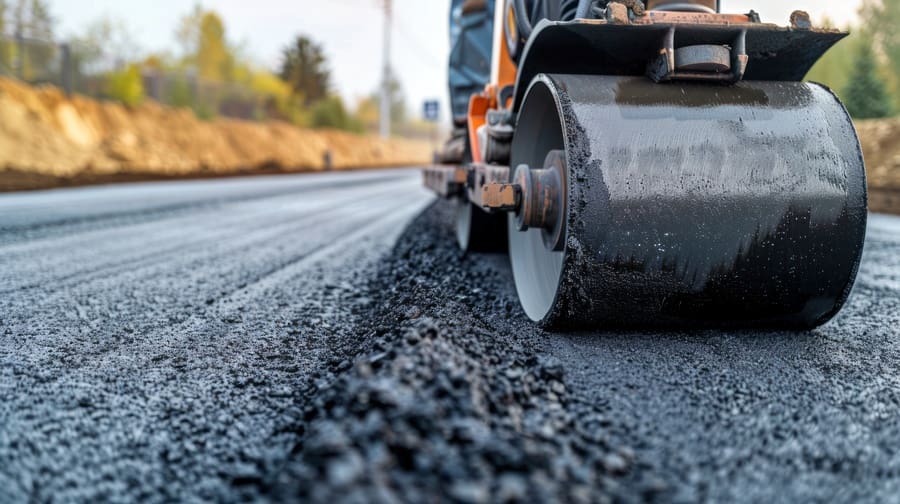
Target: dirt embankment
{"x":880,"y":140}
{"x":48,"y":139}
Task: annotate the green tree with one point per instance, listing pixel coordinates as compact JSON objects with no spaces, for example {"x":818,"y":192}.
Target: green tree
{"x":865,"y":95}
{"x":88,"y":47}
{"x":105,"y":43}
{"x":188,"y":32}
{"x":276,"y":98}
{"x":126,"y":85}
{"x":40,"y":23}
{"x":367,"y":113}
{"x":5,"y":46}
{"x":180,"y":93}
{"x":207,"y":57}
{"x":304,"y":67}
{"x":331,"y":113}
{"x":833,"y":68}
{"x":213,"y":59}
{"x":202,"y":37}
{"x":881,"y":18}
{"x":31,"y":19}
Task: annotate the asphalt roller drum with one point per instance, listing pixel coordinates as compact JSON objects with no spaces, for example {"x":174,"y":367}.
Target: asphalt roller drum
{"x":690,"y":204}
{"x":477,"y":230}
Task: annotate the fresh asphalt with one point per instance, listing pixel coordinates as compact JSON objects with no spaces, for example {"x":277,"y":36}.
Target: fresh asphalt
{"x":227,"y":340}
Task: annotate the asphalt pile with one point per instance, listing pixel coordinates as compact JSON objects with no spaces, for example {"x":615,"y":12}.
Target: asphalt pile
{"x":443,"y":393}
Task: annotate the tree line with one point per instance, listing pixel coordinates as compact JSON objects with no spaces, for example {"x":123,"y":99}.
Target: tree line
{"x":25,"y":20}
{"x":209,"y":73}
{"x":864,"y":70}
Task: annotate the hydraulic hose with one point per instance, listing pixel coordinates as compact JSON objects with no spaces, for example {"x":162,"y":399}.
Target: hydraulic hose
{"x":584,"y":8}
{"x":523,"y":19}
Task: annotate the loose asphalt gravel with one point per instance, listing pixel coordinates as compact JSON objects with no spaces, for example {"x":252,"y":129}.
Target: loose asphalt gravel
{"x":320,"y":338}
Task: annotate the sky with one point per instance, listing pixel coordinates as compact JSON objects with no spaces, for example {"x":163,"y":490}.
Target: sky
{"x":351,"y":32}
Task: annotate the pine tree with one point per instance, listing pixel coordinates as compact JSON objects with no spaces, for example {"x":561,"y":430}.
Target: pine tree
{"x":866,"y":96}
{"x":305,"y":67}
{"x":880,"y":18}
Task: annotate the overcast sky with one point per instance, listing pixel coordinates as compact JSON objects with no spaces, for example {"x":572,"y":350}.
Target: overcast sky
{"x":351,"y":31}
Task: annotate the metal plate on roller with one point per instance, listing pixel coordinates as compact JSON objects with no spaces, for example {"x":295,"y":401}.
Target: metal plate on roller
{"x":775,"y":53}
{"x":693,"y":204}
{"x":703,"y":58}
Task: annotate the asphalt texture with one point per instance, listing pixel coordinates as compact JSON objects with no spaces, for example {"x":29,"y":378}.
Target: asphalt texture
{"x":320,"y":338}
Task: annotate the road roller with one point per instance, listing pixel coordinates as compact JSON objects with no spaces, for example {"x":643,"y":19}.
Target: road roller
{"x":653,"y":163}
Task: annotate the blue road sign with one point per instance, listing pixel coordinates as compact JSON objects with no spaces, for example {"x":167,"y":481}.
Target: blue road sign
{"x":431,"y":110}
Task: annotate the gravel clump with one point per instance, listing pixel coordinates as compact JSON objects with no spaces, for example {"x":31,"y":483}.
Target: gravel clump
{"x":447,"y":397}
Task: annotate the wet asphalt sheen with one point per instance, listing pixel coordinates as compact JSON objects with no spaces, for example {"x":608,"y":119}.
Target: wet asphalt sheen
{"x":175,"y":341}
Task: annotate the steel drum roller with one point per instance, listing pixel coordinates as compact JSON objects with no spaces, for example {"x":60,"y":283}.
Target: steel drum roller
{"x":691,"y":204}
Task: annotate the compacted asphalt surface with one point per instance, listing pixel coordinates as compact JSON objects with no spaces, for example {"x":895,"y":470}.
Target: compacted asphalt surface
{"x":320,"y":338}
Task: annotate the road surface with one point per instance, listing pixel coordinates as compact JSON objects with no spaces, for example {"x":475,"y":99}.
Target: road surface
{"x":318,"y":337}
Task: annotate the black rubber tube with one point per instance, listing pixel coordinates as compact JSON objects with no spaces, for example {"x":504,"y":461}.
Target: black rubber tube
{"x":523,"y":20}
{"x":584,"y":7}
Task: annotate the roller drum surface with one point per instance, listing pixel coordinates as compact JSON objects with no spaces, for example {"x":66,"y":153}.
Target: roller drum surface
{"x":478,"y":231}
{"x":692,"y":204}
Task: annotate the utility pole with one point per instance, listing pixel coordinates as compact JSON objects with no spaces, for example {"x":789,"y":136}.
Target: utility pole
{"x":385,"y":115}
